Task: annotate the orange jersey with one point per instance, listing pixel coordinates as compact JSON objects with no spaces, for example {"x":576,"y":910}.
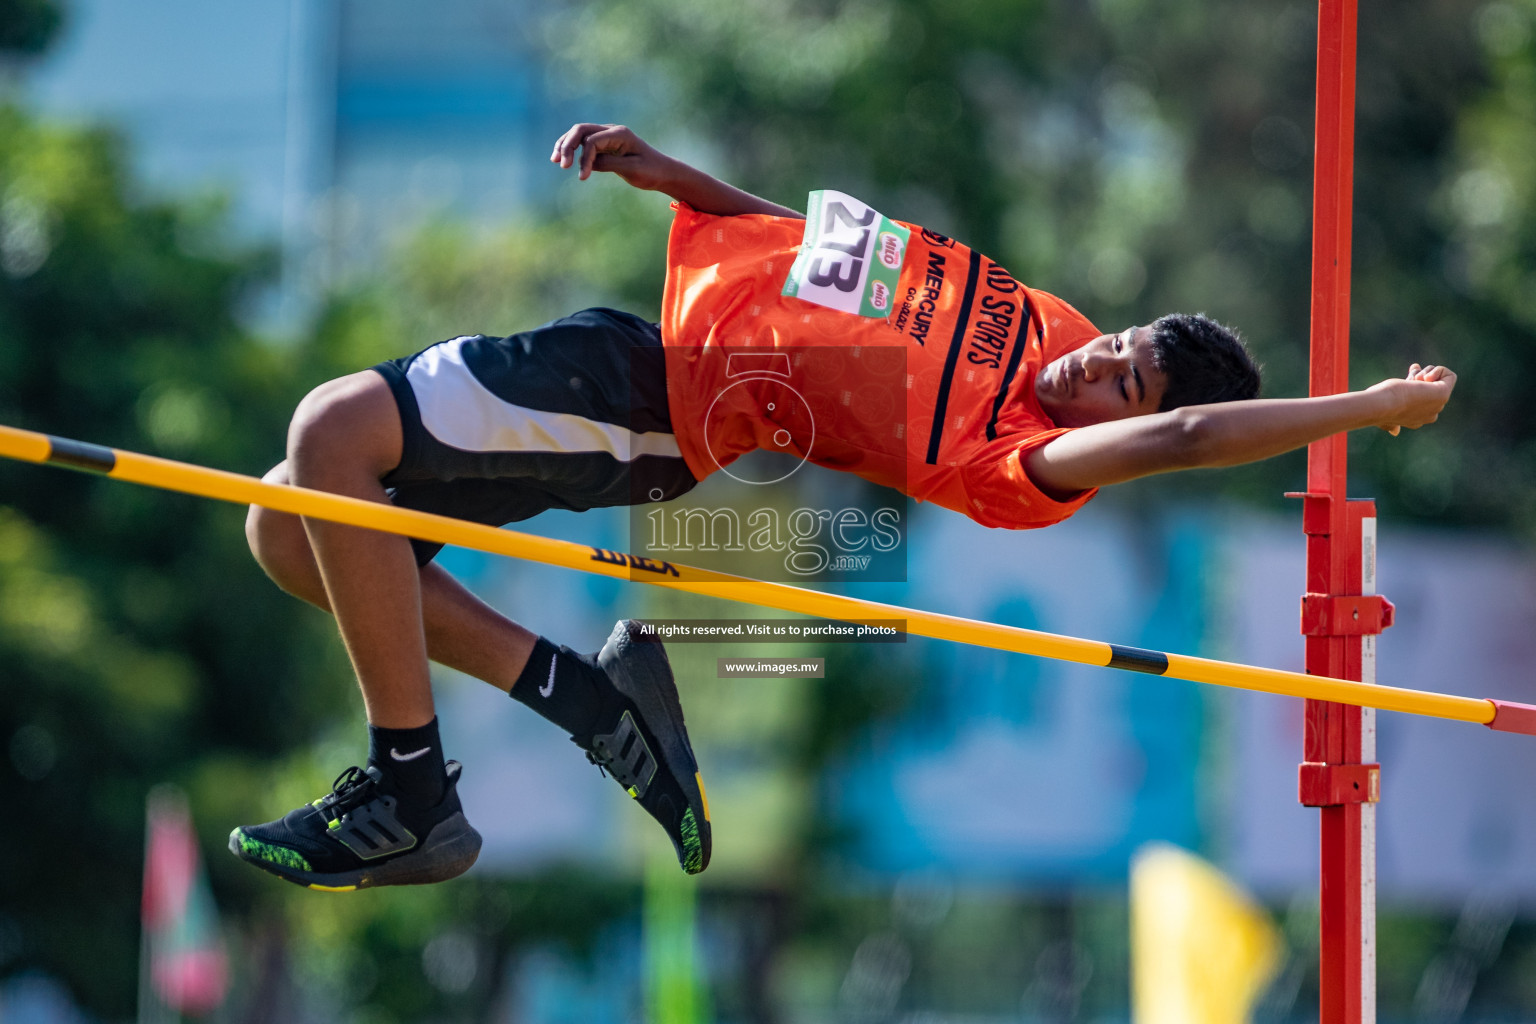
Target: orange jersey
{"x":936,"y":400}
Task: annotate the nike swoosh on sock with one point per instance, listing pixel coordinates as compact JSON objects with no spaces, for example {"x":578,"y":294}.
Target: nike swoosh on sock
{"x":413,"y":755}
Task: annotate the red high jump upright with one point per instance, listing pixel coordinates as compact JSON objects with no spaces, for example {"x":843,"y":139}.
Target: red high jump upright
{"x":1340,"y":613}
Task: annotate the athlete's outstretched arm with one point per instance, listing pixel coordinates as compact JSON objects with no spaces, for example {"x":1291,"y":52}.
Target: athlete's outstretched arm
{"x":613,"y":147}
{"x":1230,"y":433}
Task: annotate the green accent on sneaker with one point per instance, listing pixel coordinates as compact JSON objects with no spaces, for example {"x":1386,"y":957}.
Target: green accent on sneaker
{"x":279,"y":855}
{"x":693,"y":850}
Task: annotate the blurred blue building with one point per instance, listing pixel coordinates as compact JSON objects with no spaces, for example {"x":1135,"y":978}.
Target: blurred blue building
{"x":332,"y":125}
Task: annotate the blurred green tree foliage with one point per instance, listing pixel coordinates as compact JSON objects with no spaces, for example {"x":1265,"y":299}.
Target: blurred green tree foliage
{"x":28,"y":26}
{"x":1482,"y":209}
{"x":139,"y":642}
{"x":600,"y":242}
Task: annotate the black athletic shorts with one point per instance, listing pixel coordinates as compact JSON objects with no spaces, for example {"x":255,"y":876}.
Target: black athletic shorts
{"x":570,"y":415}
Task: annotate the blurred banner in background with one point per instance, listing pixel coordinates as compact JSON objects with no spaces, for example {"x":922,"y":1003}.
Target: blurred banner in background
{"x":184,"y":968}
{"x":1202,"y":951}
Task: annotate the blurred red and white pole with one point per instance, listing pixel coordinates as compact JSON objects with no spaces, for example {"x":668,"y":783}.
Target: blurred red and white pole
{"x":1339,"y":615}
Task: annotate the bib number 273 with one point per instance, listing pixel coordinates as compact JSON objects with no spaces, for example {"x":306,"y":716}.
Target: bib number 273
{"x":850,"y":258}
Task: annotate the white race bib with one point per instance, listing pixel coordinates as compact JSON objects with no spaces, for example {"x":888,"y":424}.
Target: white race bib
{"x":851,"y":256}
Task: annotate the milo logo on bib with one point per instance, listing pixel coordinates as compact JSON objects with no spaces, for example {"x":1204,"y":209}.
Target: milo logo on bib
{"x":850,"y":258}
{"x":879,"y":296}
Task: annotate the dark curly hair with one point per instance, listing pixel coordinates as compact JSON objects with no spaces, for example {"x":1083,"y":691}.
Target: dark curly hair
{"x":1205,"y":361}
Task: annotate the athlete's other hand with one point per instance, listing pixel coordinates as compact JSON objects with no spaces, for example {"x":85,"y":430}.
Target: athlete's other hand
{"x":614,"y":148}
{"x":1416,"y":399}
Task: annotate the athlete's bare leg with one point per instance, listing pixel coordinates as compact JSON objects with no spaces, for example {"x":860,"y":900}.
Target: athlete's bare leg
{"x":462,"y":631}
{"x":344,"y":437}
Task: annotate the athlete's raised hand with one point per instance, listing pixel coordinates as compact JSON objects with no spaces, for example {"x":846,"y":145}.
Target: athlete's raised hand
{"x":1418,"y":398}
{"x":614,"y":148}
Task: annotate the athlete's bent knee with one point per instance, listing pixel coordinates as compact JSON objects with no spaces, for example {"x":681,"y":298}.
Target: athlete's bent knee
{"x":264,"y":527}
{"x":281,"y":547}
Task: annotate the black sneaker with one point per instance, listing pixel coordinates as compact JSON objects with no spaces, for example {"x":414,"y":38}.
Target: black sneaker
{"x":353,"y":838}
{"x":645,"y":747}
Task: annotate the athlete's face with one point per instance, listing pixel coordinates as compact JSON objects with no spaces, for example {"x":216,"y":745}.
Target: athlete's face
{"x":1110,"y":378}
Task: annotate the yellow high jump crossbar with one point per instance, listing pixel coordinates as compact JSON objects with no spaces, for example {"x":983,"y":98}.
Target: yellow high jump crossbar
{"x":29,"y":446}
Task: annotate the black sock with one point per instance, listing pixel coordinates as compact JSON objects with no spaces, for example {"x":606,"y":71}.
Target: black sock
{"x":411,"y":760}
{"x":565,"y":687}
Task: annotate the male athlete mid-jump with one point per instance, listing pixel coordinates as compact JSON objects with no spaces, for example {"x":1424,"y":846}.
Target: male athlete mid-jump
{"x":1017,"y":409}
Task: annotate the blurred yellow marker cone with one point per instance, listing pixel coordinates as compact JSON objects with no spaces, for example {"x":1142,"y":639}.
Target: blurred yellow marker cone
{"x":1202,"y":951}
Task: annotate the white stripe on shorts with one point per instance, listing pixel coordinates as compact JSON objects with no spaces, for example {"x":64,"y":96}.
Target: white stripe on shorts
{"x":458,"y":410}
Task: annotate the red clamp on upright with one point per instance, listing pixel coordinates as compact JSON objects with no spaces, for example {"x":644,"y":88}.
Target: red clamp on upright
{"x":1315,"y":512}
{"x":1333,"y":785}
{"x":1330,"y":615}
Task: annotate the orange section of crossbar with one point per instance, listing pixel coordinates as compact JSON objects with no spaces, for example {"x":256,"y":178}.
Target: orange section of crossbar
{"x":244,"y":490}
